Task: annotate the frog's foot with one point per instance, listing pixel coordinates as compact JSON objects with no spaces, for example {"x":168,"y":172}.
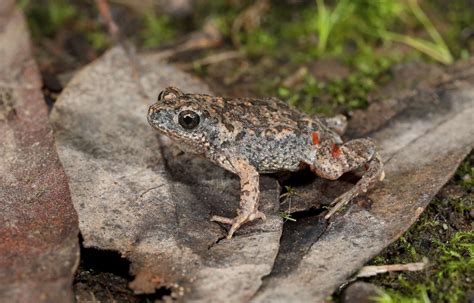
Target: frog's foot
{"x":373,"y":174}
{"x":341,"y":201}
{"x":238,"y":221}
{"x":332,"y":161}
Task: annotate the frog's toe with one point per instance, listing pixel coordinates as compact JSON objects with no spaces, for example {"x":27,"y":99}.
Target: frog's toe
{"x":238,"y":221}
{"x":257,"y":215}
{"x":222,"y":220}
{"x":340,"y":202}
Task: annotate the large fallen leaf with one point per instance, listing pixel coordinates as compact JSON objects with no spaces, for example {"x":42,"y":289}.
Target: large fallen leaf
{"x":424,"y":136}
{"x":136,"y":194}
{"x":39,"y":248}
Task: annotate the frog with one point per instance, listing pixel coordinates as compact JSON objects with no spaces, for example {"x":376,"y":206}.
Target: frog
{"x":253,"y":136}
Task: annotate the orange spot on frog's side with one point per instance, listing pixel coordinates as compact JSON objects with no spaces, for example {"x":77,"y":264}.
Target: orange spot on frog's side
{"x":315,"y":138}
{"x":336,"y":151}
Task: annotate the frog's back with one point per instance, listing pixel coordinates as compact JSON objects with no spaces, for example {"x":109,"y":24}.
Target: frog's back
{"x":262,"y":113}
{"x":269,"y":133}
{"x":257,"y":114}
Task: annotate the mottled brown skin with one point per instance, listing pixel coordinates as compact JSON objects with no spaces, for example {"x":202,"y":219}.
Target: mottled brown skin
{"x":252,"y":136}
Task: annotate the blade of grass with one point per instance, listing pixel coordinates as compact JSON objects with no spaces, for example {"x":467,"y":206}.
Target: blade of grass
{"x":323,"y":24}
{"x":326,"y":20}
{"x":435,"y":51}
{"x":426,"y":22}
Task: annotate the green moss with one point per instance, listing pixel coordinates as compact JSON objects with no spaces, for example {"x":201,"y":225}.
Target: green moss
{"x":419,"y":296}
{"x":98,"y":39}
{"x":222,"y":13}
{"x":447,"y":279}
{"x":465,"y":175}
{"x":259,"y":42}
{"x":448,"y":245}
{"x":337,"y":95}
{"x":157,"y":29}
{"x":47,"y":19}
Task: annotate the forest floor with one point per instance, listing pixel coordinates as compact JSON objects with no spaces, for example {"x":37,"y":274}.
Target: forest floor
{"x":260,"y":48}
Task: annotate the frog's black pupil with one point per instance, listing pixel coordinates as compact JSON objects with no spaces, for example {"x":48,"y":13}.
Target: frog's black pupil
{"x":188,"y":119}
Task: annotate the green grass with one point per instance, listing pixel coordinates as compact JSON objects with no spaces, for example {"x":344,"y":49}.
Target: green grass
{"x":286,"y":216}
{"x":345,"y":29}
{"x":420,"y":296}
{"x":457,"y":16}
{"x":366,"y":36}
{"x":286,"y":197}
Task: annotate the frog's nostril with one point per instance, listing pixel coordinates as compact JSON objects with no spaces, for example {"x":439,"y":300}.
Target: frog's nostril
{"x":153,"y":114}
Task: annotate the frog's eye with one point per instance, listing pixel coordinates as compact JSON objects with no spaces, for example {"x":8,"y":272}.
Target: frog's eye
{"x":188,"y":119}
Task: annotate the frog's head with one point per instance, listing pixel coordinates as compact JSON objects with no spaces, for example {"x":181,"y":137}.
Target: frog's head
{"x":183,"y":118}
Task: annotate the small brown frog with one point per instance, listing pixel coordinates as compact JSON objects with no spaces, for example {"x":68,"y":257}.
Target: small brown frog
{"x":251,"y":136}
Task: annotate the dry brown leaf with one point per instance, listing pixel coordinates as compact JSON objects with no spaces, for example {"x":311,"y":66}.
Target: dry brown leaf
{"x":422,"y":145}
{"x":39,"y":249}
{"x":138,"y":195}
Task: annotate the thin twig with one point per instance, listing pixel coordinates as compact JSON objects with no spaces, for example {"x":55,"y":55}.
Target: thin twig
{"x":207,"y":38}
{"x":213,"y":59}
{"x":115,"y":34}
{"x":296,"y":77}
{"x":250,"y":18}
{"x":104,"y":11}
{"x":372,"y":270}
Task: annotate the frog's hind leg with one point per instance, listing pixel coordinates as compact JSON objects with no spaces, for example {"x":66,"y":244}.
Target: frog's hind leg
{"x":332,"y":161}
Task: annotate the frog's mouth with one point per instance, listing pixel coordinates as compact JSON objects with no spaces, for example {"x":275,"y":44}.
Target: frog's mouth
{"x":190,"y":145}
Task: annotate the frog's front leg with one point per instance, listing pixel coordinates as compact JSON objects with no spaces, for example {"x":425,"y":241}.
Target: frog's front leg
{"x":332,"y":161}
{"x":249,"y":197}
